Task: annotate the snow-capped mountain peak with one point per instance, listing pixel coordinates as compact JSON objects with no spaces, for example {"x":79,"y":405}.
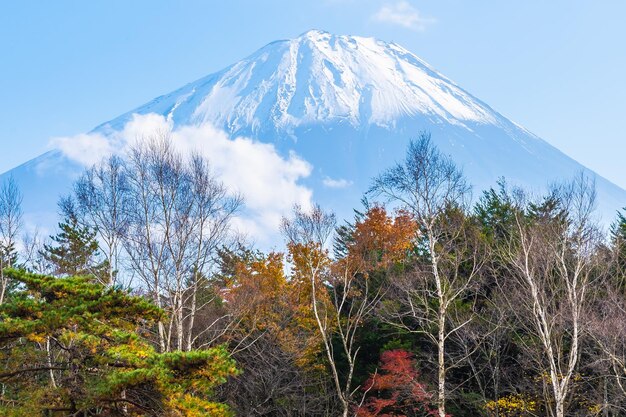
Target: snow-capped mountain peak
{"x":323,"y":78}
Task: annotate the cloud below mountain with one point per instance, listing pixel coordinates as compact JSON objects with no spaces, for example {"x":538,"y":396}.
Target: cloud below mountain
{"x":268,"y":181}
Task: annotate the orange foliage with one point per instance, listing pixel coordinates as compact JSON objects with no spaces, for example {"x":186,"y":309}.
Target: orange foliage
{"x":380,"y":240}
{"x":264,"y":299}
{"x":258,"y":292}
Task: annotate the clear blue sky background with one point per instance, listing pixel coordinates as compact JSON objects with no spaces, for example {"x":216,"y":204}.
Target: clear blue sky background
{"x":556,"y":67}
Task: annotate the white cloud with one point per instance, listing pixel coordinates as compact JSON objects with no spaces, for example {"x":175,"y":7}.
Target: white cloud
{"x":268,"y":181}
{"x":402,"y":13}
{"x":336,"y":183}
{"x":87,"y":149}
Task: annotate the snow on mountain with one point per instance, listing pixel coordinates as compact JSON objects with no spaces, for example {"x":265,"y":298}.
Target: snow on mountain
{"x":320,"y":78}
{"x":337,"y":108}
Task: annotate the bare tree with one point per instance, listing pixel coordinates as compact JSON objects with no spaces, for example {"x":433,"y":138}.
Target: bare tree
{"x":551,"y":256}
{"x":102,"y":201}
{"x":607,"y":322}
{"x":179,"y":214}
{"x":209,"y":229}
{"x":31,"y":254}
{"x":274,"y":385}
{"x":607,"y":327}
{"x":434,"y":191}
{"x":10,"y":225}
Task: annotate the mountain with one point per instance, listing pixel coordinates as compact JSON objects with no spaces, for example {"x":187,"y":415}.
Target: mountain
{"x":346,"y":107}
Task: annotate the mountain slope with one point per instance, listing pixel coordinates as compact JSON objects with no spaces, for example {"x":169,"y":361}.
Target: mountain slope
{"x":348,"y":106}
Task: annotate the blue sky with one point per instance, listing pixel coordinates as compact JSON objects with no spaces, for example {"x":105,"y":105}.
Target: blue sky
{"x":558,"y":67}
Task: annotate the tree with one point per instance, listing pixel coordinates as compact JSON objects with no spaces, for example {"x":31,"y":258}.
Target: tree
{"x":273,"y":338}
{"x":433,"y":190}
{"x":394,"y":389}
{"x":618,"y":243}
{"x":605,"y":324}
{"x":103,"y":204}
{"x":71,"y":346}
{"x":495,"y":212}
{"x":180,"y":214}
{"x":10,"y":225}
{"x":377,"y":241}
{"x":76,"y":250}
{"x":262,"y":301}
{"x":491,"y":334}
{"x":340,"y":296}
{"x":605,"y":321}
{"x":552,"y":260}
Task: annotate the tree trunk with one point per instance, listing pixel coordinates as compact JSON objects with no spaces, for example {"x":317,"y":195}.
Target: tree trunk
{"x":49,"y":360}
{"x":192,"y":314}
{"x":441,"y":340}
{"x":560,"y":407}
{"x":160,"y":326}
{"x":3,"y":284}
{"x":605,"y":398}
{"x":180,"y":316}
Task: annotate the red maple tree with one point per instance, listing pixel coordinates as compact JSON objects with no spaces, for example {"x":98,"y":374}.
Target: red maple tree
{"x":394,"y":390}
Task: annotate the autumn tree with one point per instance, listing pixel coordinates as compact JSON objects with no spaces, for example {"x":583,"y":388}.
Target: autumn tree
{"x":273,"y":338}
{"x":261,"y":299}
{"x":69,"y":346}
{"x":395,"y":389}
{"x":377,"y":240}
{"x":340,"y":297}
{"x":258,"y":292}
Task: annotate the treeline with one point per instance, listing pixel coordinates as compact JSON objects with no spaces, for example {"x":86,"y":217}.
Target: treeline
{"x":426,"y":303}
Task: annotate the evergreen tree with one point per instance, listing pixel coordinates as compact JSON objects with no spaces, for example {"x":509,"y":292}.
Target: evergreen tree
{"x":618,"y":240}
{"x":495,"y":212}
{"x":618,"y":230}
{"x":548,"y":211}
{"x":71,"y":347}
{"x":75,"y":248}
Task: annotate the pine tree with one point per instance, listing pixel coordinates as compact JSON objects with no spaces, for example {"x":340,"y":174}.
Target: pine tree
{"x":72,"y":347}
{"x":495,"y":212}
{"x":618,"y":229}
{"x":75,"y":249}
{"x":618,"y":240}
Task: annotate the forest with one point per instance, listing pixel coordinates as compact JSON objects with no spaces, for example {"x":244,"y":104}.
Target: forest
{"x":431,"y":301}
